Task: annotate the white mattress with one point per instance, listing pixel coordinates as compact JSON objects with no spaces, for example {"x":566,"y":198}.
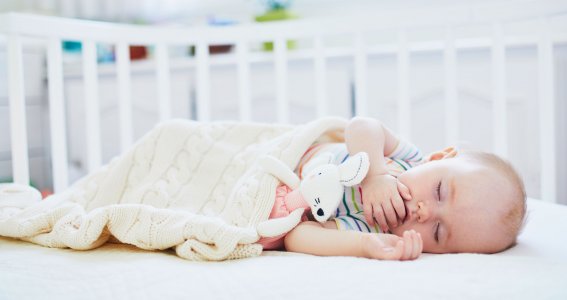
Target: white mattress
{"x":535,"y":269}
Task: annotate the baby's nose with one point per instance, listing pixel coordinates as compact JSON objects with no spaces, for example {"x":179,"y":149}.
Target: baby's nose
{"x":422,"y":212}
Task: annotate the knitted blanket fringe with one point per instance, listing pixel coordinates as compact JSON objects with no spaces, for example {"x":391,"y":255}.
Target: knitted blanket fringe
{"x":192,"y":186}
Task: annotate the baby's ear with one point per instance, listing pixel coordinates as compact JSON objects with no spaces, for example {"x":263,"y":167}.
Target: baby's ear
{"x":442,"y":154}
{"x":353,"y":170}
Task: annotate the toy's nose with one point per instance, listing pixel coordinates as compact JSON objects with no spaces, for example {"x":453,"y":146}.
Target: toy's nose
{"x":320,"y":212}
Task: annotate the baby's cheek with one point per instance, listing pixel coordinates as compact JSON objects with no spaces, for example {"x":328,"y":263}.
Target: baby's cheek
{"x":429,"y":243}
{"x":399,"y":231}
{"x":429,"y":246}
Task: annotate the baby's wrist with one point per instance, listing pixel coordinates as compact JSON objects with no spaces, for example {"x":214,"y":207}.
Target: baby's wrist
{"x":374,"y":176}
{"x":377,"y":170}
{"x":366,"y":245}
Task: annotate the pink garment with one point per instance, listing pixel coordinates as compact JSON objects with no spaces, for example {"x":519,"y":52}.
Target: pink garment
{"x":286,"y":201}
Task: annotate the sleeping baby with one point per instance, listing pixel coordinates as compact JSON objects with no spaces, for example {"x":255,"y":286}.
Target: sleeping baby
{"x":449,"y":202}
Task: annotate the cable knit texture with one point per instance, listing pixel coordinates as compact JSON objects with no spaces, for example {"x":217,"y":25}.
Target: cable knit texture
{"x":196,"y":187}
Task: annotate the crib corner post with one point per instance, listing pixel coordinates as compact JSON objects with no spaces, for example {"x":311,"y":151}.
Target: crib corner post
{"x":546,"y":87}
{"x":18,"y":129}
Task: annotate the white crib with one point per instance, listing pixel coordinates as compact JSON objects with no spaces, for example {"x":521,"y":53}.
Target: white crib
{"x":533,"y":269}
{"x":536,"y":24}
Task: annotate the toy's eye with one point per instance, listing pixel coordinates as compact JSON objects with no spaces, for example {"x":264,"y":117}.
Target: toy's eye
{"x":320,"y":173}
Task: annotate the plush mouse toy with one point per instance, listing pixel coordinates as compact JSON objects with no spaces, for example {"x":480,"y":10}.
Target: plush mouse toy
{"x":321,"y":189}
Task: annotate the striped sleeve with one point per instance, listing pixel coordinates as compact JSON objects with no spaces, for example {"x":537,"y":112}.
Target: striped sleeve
{"x":408,"y":153}
{"x":403,"y":158}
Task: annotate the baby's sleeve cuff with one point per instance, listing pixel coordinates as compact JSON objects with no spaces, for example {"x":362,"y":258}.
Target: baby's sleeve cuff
{"x":406,"y":151}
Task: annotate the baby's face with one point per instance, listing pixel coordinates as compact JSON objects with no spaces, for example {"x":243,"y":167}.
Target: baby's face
{"x":456,"y":206}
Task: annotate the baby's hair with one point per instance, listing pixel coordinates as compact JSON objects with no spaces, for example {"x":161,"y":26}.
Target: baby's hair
{"x":514,"y":218}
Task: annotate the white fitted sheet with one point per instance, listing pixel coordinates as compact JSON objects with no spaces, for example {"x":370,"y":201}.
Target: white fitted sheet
{"x":535,"y":268}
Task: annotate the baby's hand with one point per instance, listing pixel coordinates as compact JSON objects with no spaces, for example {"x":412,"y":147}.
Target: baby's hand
{"x":393,"y":247}
{"x":383,"y":203}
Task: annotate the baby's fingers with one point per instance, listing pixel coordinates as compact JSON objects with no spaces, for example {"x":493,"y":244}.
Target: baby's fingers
{"x":399,"y":207}
{"x":390,"y":212}
{"x":403,"y":190}
{"x":368,"y":215}
{"x":380,"y":218}
{"x":417,"y":246}
{"x":413,"y":245}
{"x":408,"y":243}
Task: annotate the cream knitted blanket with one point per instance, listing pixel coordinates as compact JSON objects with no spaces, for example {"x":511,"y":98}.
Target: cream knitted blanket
{"x":196,"y":187}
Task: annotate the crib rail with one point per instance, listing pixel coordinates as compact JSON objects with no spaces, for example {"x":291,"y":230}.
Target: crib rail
{"x":55,"y":30}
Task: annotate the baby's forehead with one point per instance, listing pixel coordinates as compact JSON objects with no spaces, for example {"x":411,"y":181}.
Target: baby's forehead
{"x":472,"y":172}
{"x":480,"y":190}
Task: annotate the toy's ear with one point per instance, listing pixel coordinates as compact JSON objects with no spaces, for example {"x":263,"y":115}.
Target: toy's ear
{"x":353,"y":170}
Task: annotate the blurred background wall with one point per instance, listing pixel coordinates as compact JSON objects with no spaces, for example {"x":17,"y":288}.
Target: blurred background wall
{"x":195,"y":11}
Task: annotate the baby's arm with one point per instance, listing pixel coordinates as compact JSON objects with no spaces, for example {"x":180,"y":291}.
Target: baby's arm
{"x":382,"y":191}
{"x":371,"y":136}
{"x":321,"y":239}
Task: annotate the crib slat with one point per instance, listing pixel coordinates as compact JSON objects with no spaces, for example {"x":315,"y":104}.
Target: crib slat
{"x":320,"y":76}
{"x":404,"y":107}
{"x":500,"y":111}
{"x":245,"y":109}
{"x":280,"y":52}
{"x":360,"y":75}
{"x":57,"y":116}
{"x":547,"y":115}
{"x":18,"y":127}
{"x":203,"y":81}
{"x":92,"y":109}
{"x":124,"y":94}
{"x":451,"y":97}
{"x":163,"y":82}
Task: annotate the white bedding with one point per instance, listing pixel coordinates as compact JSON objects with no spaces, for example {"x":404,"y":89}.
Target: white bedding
{"x":194,"y":186}
{"x":535,"y":269}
